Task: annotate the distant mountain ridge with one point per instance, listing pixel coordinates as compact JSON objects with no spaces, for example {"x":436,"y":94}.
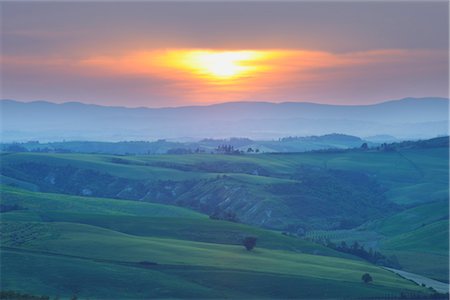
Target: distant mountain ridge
{"x":46,"y":121}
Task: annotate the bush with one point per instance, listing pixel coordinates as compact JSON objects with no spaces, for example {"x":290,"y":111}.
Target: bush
{"x":366,"y":278}
{"x":249,"y":242}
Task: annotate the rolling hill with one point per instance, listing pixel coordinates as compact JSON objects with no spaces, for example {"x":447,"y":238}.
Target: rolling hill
{"x":417,"y":237}
{"x":379,"y":179}
{"x":181,"y":220}
{"x":140,"y":252}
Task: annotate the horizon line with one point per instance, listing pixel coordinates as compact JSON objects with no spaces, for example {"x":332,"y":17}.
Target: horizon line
{"x":223,"y":103}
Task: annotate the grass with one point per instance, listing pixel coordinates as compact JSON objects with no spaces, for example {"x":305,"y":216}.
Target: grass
{"x":41,"y":274}
{"x":411,"y":175}
{"x":432,"y":237}
{"x":418,"y":237}
{"x":196,"y":257}
{"x":117,"y":281}
{"x":37,"y":202}
{"x":88,"y":243}
{"x":412,"y":218}
{"x":100,"y":163}
{"x":100,"y":241}
{"x":423,"y":250}
{"x":144,"y":219}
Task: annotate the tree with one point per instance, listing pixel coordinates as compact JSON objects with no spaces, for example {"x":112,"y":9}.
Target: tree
{"x":15,"y":148}
{"x":366,"y":278}
{"x":249,"y":242}
{"x":364,"y":146}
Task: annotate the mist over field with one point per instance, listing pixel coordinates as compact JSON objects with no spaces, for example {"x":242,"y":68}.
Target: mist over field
{"x":408,"y":118}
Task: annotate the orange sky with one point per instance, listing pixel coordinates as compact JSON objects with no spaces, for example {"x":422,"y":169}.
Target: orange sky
{"x":211,"y":76}
{"x":146,"y":54}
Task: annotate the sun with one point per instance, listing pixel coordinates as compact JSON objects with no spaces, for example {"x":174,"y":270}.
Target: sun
{"x":223,"y":64}
{"x":218,"y":65}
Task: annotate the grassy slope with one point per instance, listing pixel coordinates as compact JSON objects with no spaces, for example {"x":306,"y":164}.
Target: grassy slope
{"x":103,"y":260}
{"x":44,"y":202}
{"x":412,"y":175}
{"x":101,"y":163}
{"x":412,"y":219}
{"x":258,"y":202}
{"x":418,"y":237}
{"x":424,"y":250}
{"x":85,"y":245}
{"x":144,"y":219}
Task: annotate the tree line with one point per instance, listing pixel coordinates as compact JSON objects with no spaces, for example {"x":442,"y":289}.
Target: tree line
{"x":357,"y":249}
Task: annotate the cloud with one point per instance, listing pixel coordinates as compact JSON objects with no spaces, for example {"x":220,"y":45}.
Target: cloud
{"x":323,"y":26}
{"x":161,"y":77}
{"x":114,"y":53}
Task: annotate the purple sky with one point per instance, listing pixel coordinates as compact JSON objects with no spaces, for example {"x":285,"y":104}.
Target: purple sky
{"x":113,"y":53}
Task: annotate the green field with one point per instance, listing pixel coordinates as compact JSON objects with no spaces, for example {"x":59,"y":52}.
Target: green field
{"x":411,"y":175}
{"x":69,"y":258}
{"x":144,"y":219}
{"x":282,"y":191}
{"x":105,"y":226}
{"x":418,"y":237}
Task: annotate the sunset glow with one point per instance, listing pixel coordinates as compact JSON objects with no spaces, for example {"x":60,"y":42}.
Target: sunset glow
{"x":221,"y":65}
{"x":205,"y":53}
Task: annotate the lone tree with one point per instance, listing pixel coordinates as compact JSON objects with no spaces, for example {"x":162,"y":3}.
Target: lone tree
{"x":366,"y":278}
{"x":249,"y":242}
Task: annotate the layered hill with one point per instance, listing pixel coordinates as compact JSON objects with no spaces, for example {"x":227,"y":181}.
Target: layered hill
{"x":45,"y":121}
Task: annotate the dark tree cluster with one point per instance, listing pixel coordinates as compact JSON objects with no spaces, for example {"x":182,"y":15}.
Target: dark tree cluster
{"x":251,"y":150}
{"x":227,"y":149}
{"x":184,"y":151}
{"x":370,"y":255}
{"x":224,"y":216}
{"x":386,"y":147}
{"x":179,"y":151}
{"x":13,"y":295}
{"x":442,"y":141}
{"x":412,"y":296}
{"x":15,"y":148}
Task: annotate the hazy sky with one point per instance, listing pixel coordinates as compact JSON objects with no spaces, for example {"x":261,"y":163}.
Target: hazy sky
{"x":171,"y":54}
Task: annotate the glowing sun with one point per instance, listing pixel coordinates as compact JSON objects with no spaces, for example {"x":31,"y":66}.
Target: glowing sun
{"x":218,"y":65}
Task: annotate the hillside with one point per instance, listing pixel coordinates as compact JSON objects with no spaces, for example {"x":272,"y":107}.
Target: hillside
{"x":141,"y":219}
{"x":392,"y":199}
{"x":418,"y":232}
{"x":137,"y":253}
{"x":403,"y":177}
{"x":272,"y":191}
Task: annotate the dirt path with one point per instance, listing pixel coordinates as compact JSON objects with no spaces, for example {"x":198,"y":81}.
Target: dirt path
{"x":440,"y":287}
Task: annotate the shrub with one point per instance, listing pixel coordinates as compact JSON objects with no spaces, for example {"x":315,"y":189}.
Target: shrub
{"x":366,"y":278}
{"x":249,"y":242}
